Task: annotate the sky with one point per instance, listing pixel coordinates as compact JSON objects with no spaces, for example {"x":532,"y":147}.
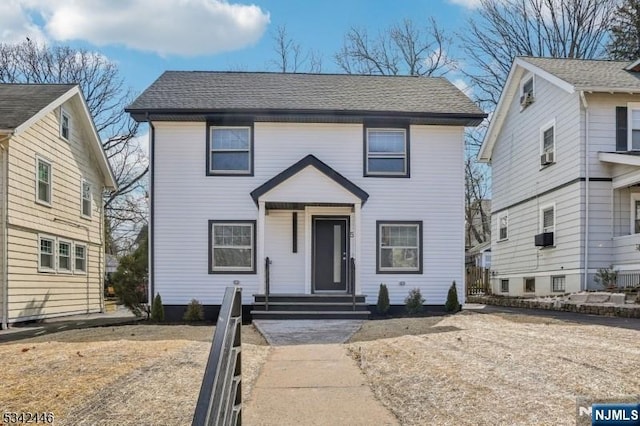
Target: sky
{"x":147,"y":37}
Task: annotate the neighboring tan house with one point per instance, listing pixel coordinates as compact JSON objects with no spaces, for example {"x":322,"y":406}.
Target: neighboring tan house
{"x":564,"y":146}
{"x":319,"y":173}
{"x":52,"y":174}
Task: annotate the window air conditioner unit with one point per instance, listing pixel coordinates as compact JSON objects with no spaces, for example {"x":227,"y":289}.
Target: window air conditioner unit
{"x":546,"y":158}
{"x":544,"y":240}
{"x":526,"y":99}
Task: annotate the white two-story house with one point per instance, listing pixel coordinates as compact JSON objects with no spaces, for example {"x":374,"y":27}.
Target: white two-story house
{"x":564,"y":145}
{"x":53,"y":172}
{"x":342,"y":182}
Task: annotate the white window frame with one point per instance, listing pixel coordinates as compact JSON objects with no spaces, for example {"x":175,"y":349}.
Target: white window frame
{"x":564,"y":284}
{"x":57,"y":257}
{"x":549,"y":125}
{"x":75,"y":269}
{"x":54,"y":245}
{"x":39,"y":160}
{"x":502,"y":281}
{"x":213,"y":269}
{"x":84,"y":182}
{"x":64,"y":114}
{"x":525,"y":79}
{"x":555,"y":217}
{"x":249,"y":152}
{"x":631,"y":106}
{"x":393,"y":155}
{"x":402,"y":270}
{"x":502,"y":215}
{"x":635,"y":196}
{"x":524,"y":285}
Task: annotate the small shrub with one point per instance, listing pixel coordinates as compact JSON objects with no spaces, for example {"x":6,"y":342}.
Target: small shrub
{"x":452,"y":304}
{"x":414,"y":302}
{"x":383,"y":300}
{"x":195,"y":311}
{"x":606,"y":277}
{"x":157,"y":310}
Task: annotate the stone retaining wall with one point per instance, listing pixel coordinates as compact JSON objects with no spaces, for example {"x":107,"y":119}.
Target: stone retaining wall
{"x":610,"y":310}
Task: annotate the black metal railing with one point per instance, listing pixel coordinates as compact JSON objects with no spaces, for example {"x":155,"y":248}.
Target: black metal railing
{"x":220,"y":399}
{"x":267,"y":264}
{"x":352,"y":280}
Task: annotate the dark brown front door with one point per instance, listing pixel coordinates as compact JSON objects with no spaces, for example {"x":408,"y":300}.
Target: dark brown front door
{"x":330,"y":254}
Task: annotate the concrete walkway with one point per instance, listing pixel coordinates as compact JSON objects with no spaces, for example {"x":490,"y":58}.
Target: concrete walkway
{"x":313,"y":385}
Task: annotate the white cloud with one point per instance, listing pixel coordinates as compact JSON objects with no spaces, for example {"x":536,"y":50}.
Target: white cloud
{"x":469,"y":4}
{"x":167,"y":27}
{"x":15,"y":24}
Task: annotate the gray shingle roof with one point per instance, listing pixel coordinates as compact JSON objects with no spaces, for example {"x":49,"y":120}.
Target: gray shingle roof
{"x":218,"y":91}
{"x":589,"y":74}
{"x":20,"y":102}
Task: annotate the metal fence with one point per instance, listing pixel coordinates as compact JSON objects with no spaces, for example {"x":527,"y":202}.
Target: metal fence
{"x":628,"y":279}
{"x":220,"y":399}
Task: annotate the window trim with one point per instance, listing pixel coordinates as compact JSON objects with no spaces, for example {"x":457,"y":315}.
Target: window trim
{"x":500,"y":215}
{"x":77,"y":271}
{"x":406,"y":128}
{"x":82,"y":199}
{"x":549,"y":125}
{"x":65,"y":113}
{"x":213,"y":222}
{"x":524,"y":285}
{"x":40,"y":159}
{"x":379,"y":224}
{"x":541,"y":219}
{"x":553,"y":290}
{"x":634,"y":196}
{"x":230,"y":125}
{"x":57,"y":257}
{"x":54,"y":245}
{"x":631,"y":106}
{"x":502,"y":281}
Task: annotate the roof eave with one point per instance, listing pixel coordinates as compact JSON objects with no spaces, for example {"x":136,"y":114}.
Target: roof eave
{"x":604,"y":89}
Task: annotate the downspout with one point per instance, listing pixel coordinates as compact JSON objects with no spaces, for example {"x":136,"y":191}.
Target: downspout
{"x":585,"y":280}
{"x":101,"y":266}
{"x":151,"y":229}
{"x":5,"y":233}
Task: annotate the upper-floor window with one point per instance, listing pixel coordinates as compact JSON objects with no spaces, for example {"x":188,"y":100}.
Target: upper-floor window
{"x":43,"y":181}
{"x":230,"y":151}
{"x":503,"y":224}
{"x":548,"y":144}
{"x":526,"y":91}
{"x":86,"y":199}
{"x":65,"y":124}
{"x":548,"y":219}
{"x":633,"y":138}
{"x":386,"y":152}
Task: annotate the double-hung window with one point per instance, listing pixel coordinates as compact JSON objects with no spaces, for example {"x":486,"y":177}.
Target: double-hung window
{"x":503,"y":226}
{"x":46,"y":254}
{"x":232,"y":247}
{"x":548,"y":144}
{"x":504,"y":285}
{"x":399,"y":247}
{"x":64,"y":256}
{"x":558,"y":283}
{"x":85,"y":199}
{"x":635,"y":213}
{"x":548,"y":219}
{"x":526,"y":91}
{"x":65,"y":124}
{"x":633,"y":137}
{"x":43,"y":181}
{"x":230,"y":151}
{"x":80,"y":258}
{"x":387,"y":152}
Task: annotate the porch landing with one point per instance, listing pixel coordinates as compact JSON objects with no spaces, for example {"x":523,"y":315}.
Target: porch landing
{"x":309,"y":306}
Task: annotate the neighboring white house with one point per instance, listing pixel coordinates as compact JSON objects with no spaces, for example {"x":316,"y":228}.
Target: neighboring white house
{"x":309,"y":170}
{"x":52,"y":175}
{"x":564,"y":146}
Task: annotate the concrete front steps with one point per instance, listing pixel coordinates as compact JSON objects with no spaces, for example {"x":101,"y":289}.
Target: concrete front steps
{"x":309,"y":306}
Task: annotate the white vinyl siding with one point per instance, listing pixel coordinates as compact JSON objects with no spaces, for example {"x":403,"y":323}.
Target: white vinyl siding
{"x":43,"y":181}
{"x":386,"y":152}
{"x":85,"y":199}
{"x":230,"y":150}
{"x":503,"y":226}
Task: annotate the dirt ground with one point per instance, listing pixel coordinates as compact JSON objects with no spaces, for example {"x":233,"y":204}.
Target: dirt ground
{"x":480,"y":369}
{"x":126,"y":375}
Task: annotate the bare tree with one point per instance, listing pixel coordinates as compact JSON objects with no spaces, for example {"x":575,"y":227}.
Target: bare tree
{"x":625,"y":32}
{"x":290,"y":56}
{"x":402,"y":49}
{"x":504,"y":29}
{"x":106,"y":96}
{"x":477,"y":204}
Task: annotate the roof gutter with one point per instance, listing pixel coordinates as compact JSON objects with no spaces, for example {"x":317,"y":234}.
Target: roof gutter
{"x":585,"y":280}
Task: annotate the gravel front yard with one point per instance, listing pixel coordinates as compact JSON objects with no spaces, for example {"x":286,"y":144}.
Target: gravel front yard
{"x":493,"y":369}
{"x":128,"y":375}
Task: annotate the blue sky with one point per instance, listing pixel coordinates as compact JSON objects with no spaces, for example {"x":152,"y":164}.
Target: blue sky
{"x":147,"y":37}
